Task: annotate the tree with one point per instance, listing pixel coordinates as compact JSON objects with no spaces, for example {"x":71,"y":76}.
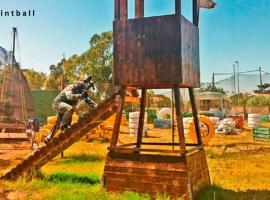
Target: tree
{"x":243,"y":101}
{"x":35,"y":79}
{"x":97,"y":61}
{"x":263,"y":89}
{"x":53,"y":81}
{"x":149,"y":95}
{"x":164,"y":101}
{"x":211,"y":88}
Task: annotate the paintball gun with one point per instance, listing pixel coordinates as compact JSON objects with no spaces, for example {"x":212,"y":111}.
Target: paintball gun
{"x":85,"y":95}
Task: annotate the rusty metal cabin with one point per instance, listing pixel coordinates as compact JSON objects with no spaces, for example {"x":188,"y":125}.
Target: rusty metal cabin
{"x":156,"y":52}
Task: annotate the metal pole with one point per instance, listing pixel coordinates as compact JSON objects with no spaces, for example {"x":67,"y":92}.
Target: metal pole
{"x":13,"y":47}
{"x":234,"y":82}
{"x":261,"y":82}
{"x":238,"y":84}
{"x":213,"y":80}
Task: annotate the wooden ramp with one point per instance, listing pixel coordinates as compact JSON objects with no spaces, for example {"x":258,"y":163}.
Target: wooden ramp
{"x":65,"y":139}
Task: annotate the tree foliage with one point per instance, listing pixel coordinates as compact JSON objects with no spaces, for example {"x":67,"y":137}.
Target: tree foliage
{"x":211,"y":88}
{"x":97,"y":61}
{"x":263,"y":89}
{"x":243,"y":99}
{"x":157,"y":100}
{"x":35,"y":79}
{"x":259,"y":101}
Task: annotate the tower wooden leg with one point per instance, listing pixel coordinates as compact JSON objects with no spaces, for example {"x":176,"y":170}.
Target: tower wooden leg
{"x":195,"y":116}
{"x":179,"y":119}
{"x":141,"y":118}
{"x":121,"y":101}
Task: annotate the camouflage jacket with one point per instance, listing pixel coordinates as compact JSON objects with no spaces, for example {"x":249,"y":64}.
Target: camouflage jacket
{"x":69,"y":95}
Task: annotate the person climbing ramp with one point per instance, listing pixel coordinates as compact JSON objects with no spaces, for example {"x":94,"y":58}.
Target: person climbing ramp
{"x":66,"y":101}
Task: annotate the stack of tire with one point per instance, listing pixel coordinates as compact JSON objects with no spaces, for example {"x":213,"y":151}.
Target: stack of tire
{"x":134,"y":123}
{"x":162,"y":121}
{"x":186,"y":122}
{"x":254,"y":120}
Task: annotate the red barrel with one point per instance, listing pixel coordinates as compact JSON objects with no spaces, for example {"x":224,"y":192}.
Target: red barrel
{"x":239,"y":121}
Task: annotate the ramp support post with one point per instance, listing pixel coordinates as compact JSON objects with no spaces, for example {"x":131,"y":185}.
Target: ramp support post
{"x":120,"y":105}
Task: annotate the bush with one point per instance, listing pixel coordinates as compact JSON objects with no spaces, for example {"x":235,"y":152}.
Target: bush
{"x":152,"y":115}
{"x":72,"y":178}
{"x":258,"y":101}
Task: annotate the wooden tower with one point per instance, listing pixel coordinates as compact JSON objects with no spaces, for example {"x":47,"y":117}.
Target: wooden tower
{"x":154,"y":53}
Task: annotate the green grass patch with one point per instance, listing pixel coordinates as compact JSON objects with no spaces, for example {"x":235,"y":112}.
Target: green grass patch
{"x":216,"y":192}
{"x":73,"y":178}
{"x":86,"y":157}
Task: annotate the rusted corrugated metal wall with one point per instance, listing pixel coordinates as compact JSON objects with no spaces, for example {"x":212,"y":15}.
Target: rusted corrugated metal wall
{"x":15,"y":96}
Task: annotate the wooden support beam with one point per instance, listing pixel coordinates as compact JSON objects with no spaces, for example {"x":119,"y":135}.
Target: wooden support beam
{"x":173,"y":126}
{"x":139,"y":8}
{"x":141,"y":118}
{"x":178,"y":7}
{"x":195,"y":115}
{"x":121,"y":101}
{"x":123,"y":9}
{"x":195,"y":12}
{"x":179,"y":119}
{"x":133,"y":150}
{"x":116,"y":9}
{"x":167,"y":144}
{"x":197,"y":148}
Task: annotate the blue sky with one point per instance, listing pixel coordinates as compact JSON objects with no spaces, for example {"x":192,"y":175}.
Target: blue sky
{"x":234,"y":30}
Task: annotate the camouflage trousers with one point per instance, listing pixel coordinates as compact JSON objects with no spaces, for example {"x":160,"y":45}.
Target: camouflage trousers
{"x":64,"y":114}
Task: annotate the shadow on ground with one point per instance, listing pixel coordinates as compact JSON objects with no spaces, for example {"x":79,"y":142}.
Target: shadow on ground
{"x":218,"y":193}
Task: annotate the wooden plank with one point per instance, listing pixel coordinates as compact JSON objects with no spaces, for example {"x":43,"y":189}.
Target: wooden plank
{"x":148,"y":172}
{"x":139,"y":8}
{"x":116,"y":9}
{"x":132,"y":150}
{"x":195,"y":12}
{"x":146,"y":186}
{"x":117,"y":124}
{"x":195,"y":116}
{"x":13,"y":126}
{"x":141,"y":118}
{"x":178,"y":7}
{"x":180,"y":167}
{"x":154,"y":188}
{"x":145,"y":157}
{"x":179,"y":119}
{"x":123,"y":9}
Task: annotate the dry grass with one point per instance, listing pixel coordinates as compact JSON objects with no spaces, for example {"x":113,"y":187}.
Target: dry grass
{"x":240,"y":171}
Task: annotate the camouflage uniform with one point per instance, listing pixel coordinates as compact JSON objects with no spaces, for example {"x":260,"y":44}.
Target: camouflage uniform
{"x":64,"y":105}
{"x":66,"y":100}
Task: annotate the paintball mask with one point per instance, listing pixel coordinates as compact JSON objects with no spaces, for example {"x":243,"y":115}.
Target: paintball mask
{"x":89,"y":83}
{"x":80,"y":86}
